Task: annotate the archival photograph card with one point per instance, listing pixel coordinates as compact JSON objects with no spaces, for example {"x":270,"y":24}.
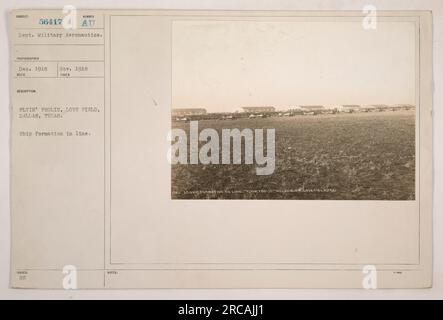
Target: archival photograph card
{"x":328,"y":102}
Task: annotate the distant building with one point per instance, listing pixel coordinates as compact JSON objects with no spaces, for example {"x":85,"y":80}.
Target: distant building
{"x":294,"y":110}
{"x":258,"y":109}
{"x":349,"y":108}
{"x":179,"y":112}
{"x":312,"y":108}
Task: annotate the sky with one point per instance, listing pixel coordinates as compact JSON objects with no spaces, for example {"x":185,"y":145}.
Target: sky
{"x":224,"y":65}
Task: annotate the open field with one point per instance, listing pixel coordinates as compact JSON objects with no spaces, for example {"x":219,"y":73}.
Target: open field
{"x":357,"y":156}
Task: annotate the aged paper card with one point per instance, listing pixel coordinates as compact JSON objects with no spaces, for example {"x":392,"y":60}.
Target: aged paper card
{"x":212,"y":149}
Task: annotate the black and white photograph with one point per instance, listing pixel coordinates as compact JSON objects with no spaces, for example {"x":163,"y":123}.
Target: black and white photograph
{"x":300,"y":110}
